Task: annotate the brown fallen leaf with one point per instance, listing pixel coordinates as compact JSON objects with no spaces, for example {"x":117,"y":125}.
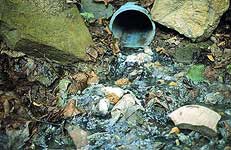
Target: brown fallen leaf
{"x":211,"y":58}
{"x":106,"y":2}
{"x":70,"y":109}
{"x":92,"y":53}
{"x":146,"y":3}
{"x":108,"y":30}
{"x":210,"y":73}
{"x":79,"y":83}
{"x":113,"y":98}
{"x":100,"y":21}
{"x":172,"y":84}
{"x":196,"y":117}
{"x":122,"y":82}
{"x":115,"y":47}
{"x":92,"y":78}
{"x":175,"y":130}
{"x":161,"y":50}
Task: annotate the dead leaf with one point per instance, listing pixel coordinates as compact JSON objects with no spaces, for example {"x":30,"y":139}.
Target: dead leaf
{"x":177,"y":142}
{"x":92,"y":78}
{"x":115,"y":47}
{"x":70,"y":109}
{"x":172,"y":84}
{"x":18,"y":137}
{"x":122,"y":82}
{"x":6,"y":106}
{"x":221,"y":43}
{"x":161,"y":50}
{"x":161,"y":103}
{"x":210,"y":57}
{"x":80,"y":77}
{"x":100,"y":21}
{"x":92,"y":53}
{"x":175,"y":130}
{"x":113,"y":98}
{"x":36,"y":104}
{"x":106,"y":2}
{"x":210,"y":73}
{"x":108,"y":30}
{"x":173,"y":40}
{"x":79,"y":83}
{"x":146,"y":3}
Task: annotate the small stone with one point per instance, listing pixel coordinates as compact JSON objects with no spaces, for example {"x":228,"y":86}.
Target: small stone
{"x":228,"y":112}
{"x":227,"y":148}
{"x":184,"y":139}
{"x":214,"y":98}
{"x":104,"y":106}
{"x":177,"y":142}
{"x":78,"y":135}
{"x":113,"y":90}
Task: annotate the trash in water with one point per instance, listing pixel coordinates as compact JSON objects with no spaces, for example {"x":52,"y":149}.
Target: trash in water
{"x":132,"y":25}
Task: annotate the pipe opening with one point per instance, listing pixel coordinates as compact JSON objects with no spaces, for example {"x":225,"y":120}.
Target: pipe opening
{"x":133,"y":27}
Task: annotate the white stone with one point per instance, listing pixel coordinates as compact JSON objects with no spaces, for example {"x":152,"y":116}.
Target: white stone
{"x":104,"y":106}
{"x":113,"y":90}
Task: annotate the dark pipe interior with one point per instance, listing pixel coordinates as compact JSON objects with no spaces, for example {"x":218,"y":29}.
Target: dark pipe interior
{"x":132,"y":20}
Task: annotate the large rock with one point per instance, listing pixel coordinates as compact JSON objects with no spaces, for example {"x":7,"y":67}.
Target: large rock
{"x":195,"y":19}
{"x":48,"y":28}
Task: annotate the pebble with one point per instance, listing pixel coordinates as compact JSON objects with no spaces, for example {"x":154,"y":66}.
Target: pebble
{"x":228,"y":112}
{"x":104,"y":106}
{"x":113,"y":90}
{"x":214,"y":98}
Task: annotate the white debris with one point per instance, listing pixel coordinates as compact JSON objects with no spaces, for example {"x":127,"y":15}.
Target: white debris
{"x":196,"y":117}
{"x":148,"y":50}
{"x":103,"y":106}
{"x":139,"y":58}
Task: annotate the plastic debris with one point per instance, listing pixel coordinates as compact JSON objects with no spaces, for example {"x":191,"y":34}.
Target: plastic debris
{"x":196,"y":117}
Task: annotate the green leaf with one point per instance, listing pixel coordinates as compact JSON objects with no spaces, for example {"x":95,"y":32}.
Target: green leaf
{"x":228,"y":68}
{"x":195,"y":73}
{"x":88,"y":16}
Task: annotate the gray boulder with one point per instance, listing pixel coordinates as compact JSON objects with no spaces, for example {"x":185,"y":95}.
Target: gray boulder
{"x":196,"y":19}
